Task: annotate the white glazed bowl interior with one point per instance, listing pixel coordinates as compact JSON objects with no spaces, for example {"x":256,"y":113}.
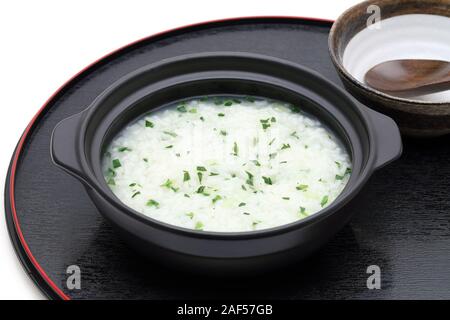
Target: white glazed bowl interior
{"x":411,"y":36}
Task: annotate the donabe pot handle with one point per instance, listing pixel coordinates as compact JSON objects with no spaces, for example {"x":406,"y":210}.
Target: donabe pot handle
{"x":63,"y":146}
{"x":387,"y":138}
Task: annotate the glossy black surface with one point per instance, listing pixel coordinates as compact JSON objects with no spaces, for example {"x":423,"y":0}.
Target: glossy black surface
{"x":402,"y":224}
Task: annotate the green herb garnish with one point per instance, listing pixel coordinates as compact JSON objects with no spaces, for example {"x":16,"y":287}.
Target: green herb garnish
{"x":172,"y":134}
{"x":135,"y":194}
{"x":190,"y":215}
{"x":213,"y":174}
{"x":149,"y":124}
{"x":169,"y":146}
{"x":123,"y":149}
{"x":201,"y":169}
{"x":250,"y":178}
{"x":186,"y":176}
{"x":200,"y":176}
{"x":256,"y":162}
{"x":242,"y":204}
{"x":199,"y":226}
{"x":111,"y":182}
{"x":169,"y":185}
{"x":285,"y":198}
{"x":303,"y":211}
{"x":153,"y":203}
{"x":221,"y":114}
{"x":285,"y":146}
{"x":294,"y":134}
{"x":228,"y":103}
{"x":235,"y":149}
{"x":111,"y":173}
{"x":271,"y":141}
{"x":116,"y":163}
{"x":216,"y":198}
{"x":324,"y":201}
{"x":267,"y":180}
{"x":302,"y":187}
{"x":182,"y":108}
{"x":223,"y":132}
{"x":265,"y":123}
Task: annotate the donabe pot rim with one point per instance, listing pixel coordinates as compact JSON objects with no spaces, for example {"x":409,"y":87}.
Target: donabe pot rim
{"x":353,"y":186}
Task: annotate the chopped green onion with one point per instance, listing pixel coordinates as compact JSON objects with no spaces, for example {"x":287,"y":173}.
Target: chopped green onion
{"x":186,"y":176}
{"x":265,"y":123}
{"x":324,"y":201}
{"x":190,"y":215}
{"x":169,"y":185}
{"x":123,"y":149}
{"x":132,"y":184}
{"x":172,"y":134}
{"x":285,"y":146}
{"x":201,"y":169}
{"x":200,"y":176}
{"x":111,"y":173}
{"x":193,"y":110}
{"x":271,"y":141}
{"x":303,"y":211}
{"x":201,"y":118}
{"x":182,"y":108}
{"x":221,"y":114}
{"x":242,"y":204}
{"x":250,"y":178}
{"x":135,"y":194}
{"x":199,"y":226}
{"x":228,"y":103}
{"x":213,"y":174}
{"x":294,"y":134}
{"x":338,"y":177}
{"x":111,"y":182}
{"x":256,"y":162}
{"x":216,"y":198}
{"x":302,"y":187}
{"x":267,"y":180}
{"x":149,"y":124}
{"x":116,"y":163}
{"x":286,"y":198}
{"x":153,"y":203}
{"x":235,"y":149}
{"x":223,"y":132}
{"x":169,"y":146}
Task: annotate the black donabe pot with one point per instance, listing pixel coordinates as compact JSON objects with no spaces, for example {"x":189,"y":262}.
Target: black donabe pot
{"x":371,"y":139}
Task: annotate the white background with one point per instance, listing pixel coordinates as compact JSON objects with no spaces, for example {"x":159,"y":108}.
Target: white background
{"x":44,"y":43}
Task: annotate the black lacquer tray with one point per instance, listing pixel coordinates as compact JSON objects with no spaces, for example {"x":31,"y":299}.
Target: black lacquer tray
{"x":403,"y":223}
